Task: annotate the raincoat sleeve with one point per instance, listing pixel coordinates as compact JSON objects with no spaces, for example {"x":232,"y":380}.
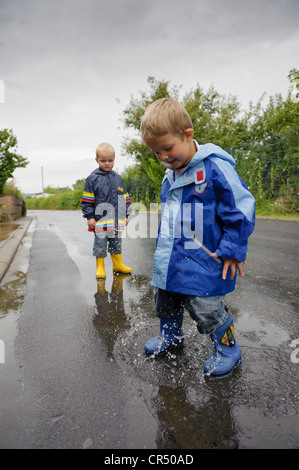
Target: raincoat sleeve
{"x":127,"y":201}
{"x":88,"y":200}
{"x":236,"y":210}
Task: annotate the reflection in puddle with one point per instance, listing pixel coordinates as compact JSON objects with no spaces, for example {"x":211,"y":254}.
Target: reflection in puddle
{"x":11,"y":294}
{"x":6,"y":229}
{"x":11,"y":297}
{"x":184,"y":424}
{"x":255,"y":407}
{"x":194,"y":411}
{"x":110,"y":317}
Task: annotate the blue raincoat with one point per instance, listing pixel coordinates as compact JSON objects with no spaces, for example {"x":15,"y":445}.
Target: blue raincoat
{"x":206,"y":208}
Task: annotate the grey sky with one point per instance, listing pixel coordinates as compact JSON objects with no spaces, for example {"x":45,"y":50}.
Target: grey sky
{"x":64,"y":63}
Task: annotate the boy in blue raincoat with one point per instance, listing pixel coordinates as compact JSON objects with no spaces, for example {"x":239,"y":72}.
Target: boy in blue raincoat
{"x":207,"y":215}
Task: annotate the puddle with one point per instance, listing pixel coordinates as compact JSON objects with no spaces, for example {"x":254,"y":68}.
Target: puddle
{"x":194,"y":411}
{"x":11,"y":294}
{"x":11,"y":297}
{"x":255,"y":407}
{"x":6,"y":230}
{"x":12,"y":291}
{"x":260,"y":430}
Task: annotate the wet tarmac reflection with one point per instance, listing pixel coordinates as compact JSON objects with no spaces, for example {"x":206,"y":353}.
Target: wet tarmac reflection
{"x":193,"y":411}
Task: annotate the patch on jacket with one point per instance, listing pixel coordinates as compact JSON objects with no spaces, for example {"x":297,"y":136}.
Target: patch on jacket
{"x":201,"y":188}
{"x":199,"y":176}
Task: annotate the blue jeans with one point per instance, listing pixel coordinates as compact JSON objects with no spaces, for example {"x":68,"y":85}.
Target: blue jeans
{"x":208,"y":312}
{"x":101,"y":240}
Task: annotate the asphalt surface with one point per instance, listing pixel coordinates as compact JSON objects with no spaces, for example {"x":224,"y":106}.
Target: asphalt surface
{"x":75,"y":375}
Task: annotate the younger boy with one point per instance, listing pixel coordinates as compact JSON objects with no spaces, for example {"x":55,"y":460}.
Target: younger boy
{"x":207,"y":217}
{"x":106,"y":205}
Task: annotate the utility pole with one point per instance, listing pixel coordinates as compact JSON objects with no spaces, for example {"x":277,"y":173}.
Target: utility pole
{"x":42,"y":171}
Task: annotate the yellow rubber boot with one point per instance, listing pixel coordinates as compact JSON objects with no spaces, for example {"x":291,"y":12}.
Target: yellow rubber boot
{"x":100,"y":272}
{"x":119,"y":266}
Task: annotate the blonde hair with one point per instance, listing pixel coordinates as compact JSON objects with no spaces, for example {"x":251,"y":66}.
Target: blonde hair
{"x":104,"y":147}
{"x":164,"y":116}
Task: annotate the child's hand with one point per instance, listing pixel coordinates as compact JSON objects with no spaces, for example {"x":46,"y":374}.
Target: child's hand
{"x":232,"y":263}
{"x":91,"y":223}
{"x":126,"y":221}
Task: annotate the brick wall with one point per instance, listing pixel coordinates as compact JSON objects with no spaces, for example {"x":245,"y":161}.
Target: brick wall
{"x":10,"y":208}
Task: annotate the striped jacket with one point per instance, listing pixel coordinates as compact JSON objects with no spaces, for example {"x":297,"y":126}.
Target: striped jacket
{"x":206,"y":208}
{"x":106,"y":200}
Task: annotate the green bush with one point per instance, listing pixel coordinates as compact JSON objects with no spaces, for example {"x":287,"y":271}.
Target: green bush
{"x":69,"y":200}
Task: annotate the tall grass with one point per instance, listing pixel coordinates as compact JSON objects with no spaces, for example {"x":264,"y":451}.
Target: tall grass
{"x":69,"y":200}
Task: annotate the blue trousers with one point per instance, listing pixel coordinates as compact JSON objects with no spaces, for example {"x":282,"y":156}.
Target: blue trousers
{"x":208,"y":312}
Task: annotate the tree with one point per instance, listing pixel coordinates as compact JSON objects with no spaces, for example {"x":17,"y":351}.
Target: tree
{"x":264,"y":138}
{"x":216,"y":119}
{"x":79,"y":185}
{"x":132,"y":115}
{"x":139,"y":185}
{"x":269,"y":160}
{"x":9,"y":159}
{"x":294,"y":79}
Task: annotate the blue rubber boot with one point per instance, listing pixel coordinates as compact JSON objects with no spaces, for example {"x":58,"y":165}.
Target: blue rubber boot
{"x":171,"y":336}
{"x":227,"y":354}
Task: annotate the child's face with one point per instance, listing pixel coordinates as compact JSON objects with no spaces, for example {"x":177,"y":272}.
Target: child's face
{"x":106,"y":161}
{"x":172,"y":151}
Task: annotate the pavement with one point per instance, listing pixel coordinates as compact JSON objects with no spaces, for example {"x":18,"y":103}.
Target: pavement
{"x":10,"y":245}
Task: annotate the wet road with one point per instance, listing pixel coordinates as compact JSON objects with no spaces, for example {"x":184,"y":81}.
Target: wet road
{"x":75,"y":375}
